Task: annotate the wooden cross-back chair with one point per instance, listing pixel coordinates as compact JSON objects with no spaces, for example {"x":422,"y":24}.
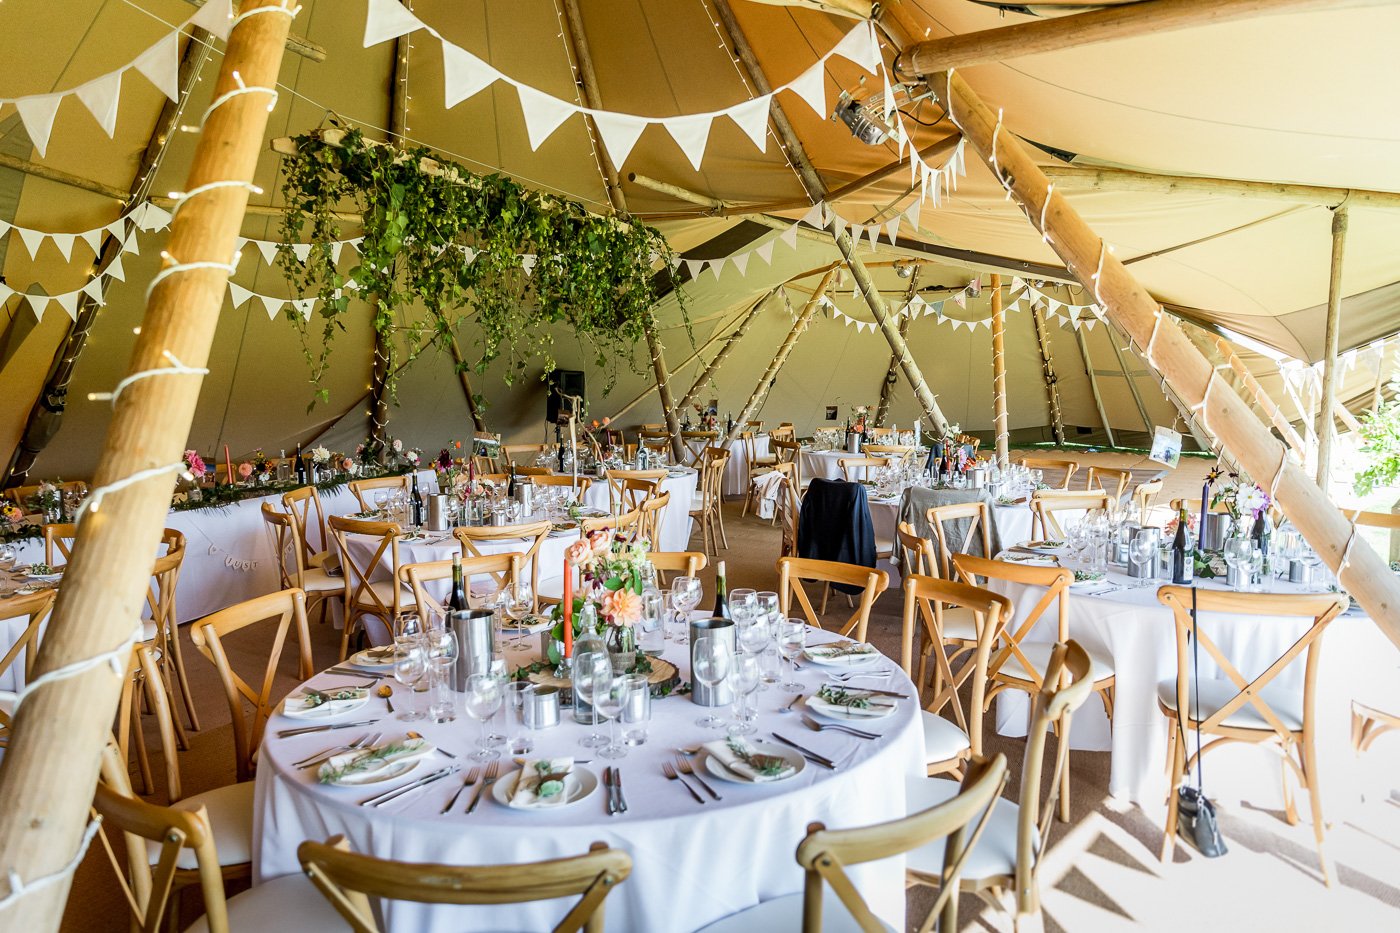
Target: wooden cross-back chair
{"x":288,"y":608}
{"x":1018,"y":833}
{"x":1070,"y":467}
{"x":895,"y":453}
{"x":628,"y":489}
{"x":858,"y":468}
{"x":979,"y":529}
{"x":707,"y":511}
{"x":927,"y":602}
{"x":304,"y":505}
{"x":651,"y":512}
{"x":1369,"y":723}
{"x":706,"y":440}
{"x":620,"y":522}
{"x":350,"y":880}
{"x":792,"y":571}
{"x":319,"y":586}
{"x":656,"y":440}
{"x":1237,"y":708}
{"x":36,"y":606}
{"x":1108,"y":480}
{"x":686,"y":563}
{"x":144,"y":681}
{"x":830,"y":899}
{"x":534,"y":472}
{"x":1017,"y":664}
{"x":163,"y":629}
{"x":370,"y":590}
{"x":511,"y":451}
{"x":525,"y":540}
{"x":783,"y":432}
{"x":787,"y":451}
{"x":58,"y":543}
{"x":957,"y":628}
{"x":879,"y":432}
{"x":789,"y":507}
{"x":1144,"y":498}
{"x":1047,"y":506}
{"x":364,"y":489}
{"x":582,"y":484}
{"x":20,"y":495}
{"x":504,"y":570}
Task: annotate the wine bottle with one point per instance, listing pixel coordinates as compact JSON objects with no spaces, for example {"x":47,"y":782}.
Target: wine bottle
{"x":457,"y":599}
{"x":301,"y":468}
{"x":1183,"y":555}
{"x":416,"y":498}
{"x":282,"y":468}
{"x":510,"y":482}
{"x":721,"y":593}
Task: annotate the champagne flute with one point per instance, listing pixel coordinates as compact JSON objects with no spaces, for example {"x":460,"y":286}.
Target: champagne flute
{"x":792,"y":640}
{"x":609,"y":697}
{"x":685,"y":596}
{"x":713,"y":662}
{"x":409,"y":668}
{"x":748,"y":674}
{"x":482,"y":700}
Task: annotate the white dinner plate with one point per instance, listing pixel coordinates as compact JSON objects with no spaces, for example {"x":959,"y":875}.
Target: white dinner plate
{"x":398,"y":767}
{"x":1082,"y":584}
{"x":579,"y":784}
{"x":831,"y":711}
{"x":374,"y":659}
{"x":44,"y":577}
{"x":294,"y":708}
{"x":791,"y":756}
{"x":848,"y":660}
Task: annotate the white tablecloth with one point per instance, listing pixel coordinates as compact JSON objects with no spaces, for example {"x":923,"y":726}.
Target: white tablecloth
{"x":822,"y":464}
{"x":1133,"y":630}
{"x":675,"y":518}
{"x":692,"y":863}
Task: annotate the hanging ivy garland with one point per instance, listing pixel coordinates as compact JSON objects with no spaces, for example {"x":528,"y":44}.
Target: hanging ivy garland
{"x":442,"y":243}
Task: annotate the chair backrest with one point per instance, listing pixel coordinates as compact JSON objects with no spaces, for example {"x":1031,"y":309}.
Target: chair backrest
{"x":940,"y":519}
{"x":652,"y":512}
{"x":879,"y":432}
{"x":617,"y":522}
{"x":925,"y":600}
{"x":504,"y":570}
{"x":550,"y":479}
{"x":349,"y":880}
{"x":825,"y":853}
{"x":1321,"y":607}
{"x":783,"y":432}
{"x":627,"y":489}
{"x":147,"y":885}
{"x":58,"y":543}
{"x":1144,"y":497}
{"x":792,"y":571}
{"x":527,"y":537}
{"x":36,"y":606}
{"x":1042,"y":463}
{"x":304,"y":505}
{"x":856,"y":468}
{"x":686,"y":563}
{"x":789,"y":507}
{"x":1106,"y":479}
{"x":712,"y":481}
{"x":534,"y":472}
{"x":364,"y":489}
{"x":288,"y":607}
{"x":165,"y":578}
{"x":1046,"y":508}
{"x":359,"y":575}
{"x":895,"y":452}
{"x":698,"y":445}
{"x":1054,"y":580}
{"x":286,"y":545}
{"x":510,"y":451}
{"x":917,"y":554}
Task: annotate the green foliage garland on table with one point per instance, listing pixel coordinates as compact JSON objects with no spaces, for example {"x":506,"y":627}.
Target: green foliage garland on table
{"x":591,"y":273}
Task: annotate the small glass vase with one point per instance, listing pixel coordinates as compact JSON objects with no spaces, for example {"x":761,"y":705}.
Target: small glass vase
{"x":621,"y":642}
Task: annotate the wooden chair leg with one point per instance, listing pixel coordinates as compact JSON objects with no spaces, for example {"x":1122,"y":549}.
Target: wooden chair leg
{"x":166,"y":683}
{"x":1309,"y":756}
{"x":182,"y":680}
{"x":143,"y":760}
{"x":350,"y":617}
{"x":719,"y":517}
{"x":1178,"y":752}
{"x":1290,"y":810}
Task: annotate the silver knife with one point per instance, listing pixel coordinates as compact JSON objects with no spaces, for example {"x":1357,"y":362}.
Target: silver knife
{"x":307,"y":730}
{"x":617,"y":784}
{"x":477,"y":799}
{"x":807,"y":753}
{"x":612,"y":792}
{"x":394,"y":794}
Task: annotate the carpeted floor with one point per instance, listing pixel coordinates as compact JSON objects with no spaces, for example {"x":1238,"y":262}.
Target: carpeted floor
{"x":1101,"y":872}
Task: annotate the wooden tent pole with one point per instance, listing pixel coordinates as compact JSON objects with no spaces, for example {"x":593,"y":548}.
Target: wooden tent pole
{"x":1113,"y":337}
{"x":663,"y":389}
{"x":999,"y":419}
{"x":1168,"y":350}
{"x":882,"y":410}
{"x":1326,"y":424}
{"x":1261,"y":398}
{"x":876,"y":303}
{"x":1047,"y":369}
{"x":1103,"y":178}
{"x":463,"y":368}
{"x":709,"y":372}
{"x":60,"y":728}
{"x":1093,"y":381}
{"x":765,"y":382}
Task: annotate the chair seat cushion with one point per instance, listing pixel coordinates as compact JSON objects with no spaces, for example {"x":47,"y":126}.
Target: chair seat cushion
{"x":1286,"y":704}
{"x":290,"y":902}
{"x":995,"y":853}
{"x":785,"y":913}
{"x":959,"y":624}
{"x":550,"y":588}
{"x":1039,"y":655}
{"x":384,"y":590}
{"x":230,"y":810}
{"x":943,"y":740}
{"x":316,"y":580}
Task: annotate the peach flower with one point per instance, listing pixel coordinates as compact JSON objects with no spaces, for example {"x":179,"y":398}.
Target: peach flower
{"x":599,"y":542}
{"x":623,"y":607}
{"x":245,"y":470}
{"x":579,"y":553}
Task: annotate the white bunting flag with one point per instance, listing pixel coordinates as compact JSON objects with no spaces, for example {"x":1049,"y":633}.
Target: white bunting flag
{"x":161,"y":65}
{"x":69,"y":303}
{"x":33,"y":239}
{"x":892,"y":228}
{"x":93,"y":238}
{"x":1089,"y":323}
{"x":93,"y":290}
{"x":874,"y":232}
{"x":911,"y":213}
{"x":336,"y":247}
{"x":815,"y":216}
{"x":543,"y":114}
{"x":527,"y":262}
{"x":273,"y":305}
{"x":268,"y":248}
{"x":239,"y":294}
{"x":37,"y":114}
{"x":789,"y":236}
{"x":811,"y":87}
{"x":717,"y":266}
{"x":620,"y":132}
{"x":302,"y":251}
{"x":117,"y":228}
{"x":100,"y":96}
{"x":216,"y":16}
{"x":752,"y":118}
{"x":150,"y":217}
{"x":5,"y":293}
{"x":39,"y":304}
{"x":860,"y":46}
{"x":691,"y":134}
{"x":388,"y":19}
{"x":114,"y":268}
{"x":741,"y":261}
{"x":463,"y":74}
{"x":304,"y":306}
{"x":693,"y":267}
{"x":765,"y":252}
{"x":960,"y":299}
{"x":64,"y":242}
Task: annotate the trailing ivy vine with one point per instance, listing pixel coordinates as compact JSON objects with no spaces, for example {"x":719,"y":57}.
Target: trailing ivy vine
{"x":441,"y":246}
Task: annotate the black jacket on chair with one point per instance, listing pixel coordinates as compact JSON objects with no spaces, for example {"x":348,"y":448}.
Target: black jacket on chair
{"x":835,"y":525}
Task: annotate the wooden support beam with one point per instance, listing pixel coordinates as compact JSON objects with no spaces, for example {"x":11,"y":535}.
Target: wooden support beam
{"x":765,"y":382}
{"x":1038,"y":36}
{"x":1000,"y":423}
{"x":1168,"y":350}
{"x":1261,"y":398}
{"x":709,"y":371}
{"x":876,"y":303}
{"x":1345,"y":416}
{"x":663,"y":389}
{"x":1113,"y":338}
{"x":855,"y":9}
{"x":1103,"y":178}
{"x":463,"y":369}
{"x":646,"y":393}
{"x":592,"y":97}
{"x":1326,"y":425}
{"x":1047,"y":370}
{"x":59,"y":731}
{"x":39,"y":170}
{"x":882,"y":410}
{"x":1093,"y":383}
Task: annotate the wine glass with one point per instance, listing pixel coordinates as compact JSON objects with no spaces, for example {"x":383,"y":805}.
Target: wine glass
{"x":1255,"y":568}
{"x":743,"y":602}
{"x":381,"y":501}
{"x":592,"y":671}
{"x":753,"y":635}
{"x":1142,"y":551}
{"x":409,"y":667}
{"x":482,"y":701}
{"x":768,"y":606}
{"x":609,"y":697}
{"x":1237,"y":553}
{"x":713,"y":662}
{"x":685,"y":596}
{"x":517,"y":601}
{"x":792,"y":640}
{"x":748,"y":674}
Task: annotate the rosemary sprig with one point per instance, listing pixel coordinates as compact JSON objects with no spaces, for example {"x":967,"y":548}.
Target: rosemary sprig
{"x":765,"y":765}
{"x":363,"y":761}
{"x":840,"y":696}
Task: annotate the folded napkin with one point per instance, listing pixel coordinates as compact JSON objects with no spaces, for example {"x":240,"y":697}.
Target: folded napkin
{"x":741,"y":758}
{"x":324,"y":704}
{"x":365,"y":766}
{"x":843,"y":653}
{"x":851,"y":702}
{"x":542,"y":784}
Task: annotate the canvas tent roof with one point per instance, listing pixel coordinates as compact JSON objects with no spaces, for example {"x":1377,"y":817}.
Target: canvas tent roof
{"x":1280,"y":98}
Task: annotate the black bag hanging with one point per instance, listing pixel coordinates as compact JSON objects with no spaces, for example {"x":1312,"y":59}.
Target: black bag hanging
{"x":1196,"y":819}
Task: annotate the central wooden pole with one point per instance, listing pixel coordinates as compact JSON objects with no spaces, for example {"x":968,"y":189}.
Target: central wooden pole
{"x":999,"y":420}
{"x":1170,"y":351}
{"x":1093,"y":381}
{"x":1326,"y":422}
{"x":1047,"y":370}
{"x":882,"y":410}
{"x":663,"y":390}
{"x":60,"y":730}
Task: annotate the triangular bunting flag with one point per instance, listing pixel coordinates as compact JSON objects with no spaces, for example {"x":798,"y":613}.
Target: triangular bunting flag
{"x":765,"y":252}
{"x":131,"y":244}
{"x":861,"y":47}
{"x":100,"y":96}
{"x":302,"y":251}
{"x":752,"y":118}
{"x":691,"y":134}
{"x":92,"y":238}
{"x":911,"y":213}
{"x":268,"y":248}
{"x":33,"y":239}
{"x":694,"y":267}
{"x":892,"y":228}
{"x":717,"y":265}
{"x":789,"y":236}
{"x":811,"y":87}
{"x":857,"y":231}
{"x":463,"y":74}
{"x":37,"y":114}
{"x":388,"y":19}
{"x":151,"y":217}
{"x":887,"y":101}
{"x":1089,"y":323}
{"x":239,"y":294}
{"x":336,"y":247}
{"x":93,"y":290}
{"x":543,"y":114}
{"x":815,"y":217}
{"x":960,"y":299}
{"x":115,"y":270}
{"x":64,"y":242}
{"x":5,"y":293}
{"x":874,"y":232}
{"x":69,"y":303}
{"x":619,"y":132}
{"x":741,"y":261}
{"x":161,"y":65}
{"x":39,"y":304}
{"x":215,"y":16}
{"x":117,"y":228}
{"x":273,"y":305}
{"x":305,"y":306}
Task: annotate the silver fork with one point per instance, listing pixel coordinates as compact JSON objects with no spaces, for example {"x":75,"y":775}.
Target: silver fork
{"x":468,"y":781}
{"x":671,"y":775}
{"x":849,"y":730}
{"x":883,"y":674}
{"x":683,"y":765}
{"x":361,"y":742}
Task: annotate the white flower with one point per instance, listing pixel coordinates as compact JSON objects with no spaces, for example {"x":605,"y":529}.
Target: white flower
{"x":411,"y":457}
{"x":398,"y":445}
{"x":320,"y":455}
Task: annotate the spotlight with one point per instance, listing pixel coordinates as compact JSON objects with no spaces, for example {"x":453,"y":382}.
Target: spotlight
{"x":904,"y":269}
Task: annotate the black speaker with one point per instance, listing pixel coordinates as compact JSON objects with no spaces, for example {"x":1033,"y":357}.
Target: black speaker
{"x":562,"y":383}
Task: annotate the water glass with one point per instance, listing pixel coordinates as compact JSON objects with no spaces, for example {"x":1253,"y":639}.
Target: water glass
{"x":518,"y":740}
{"x":610,"y":699}
{"x":771,"y":664}
{"x":748,"y":675}
{"x":792,"y":640}
{"x":636,"y":713}
{"x":713,"y":663}
{"x":592,"y":671}
{"x":483,"y":698}
{"x":653,"y":636}
{"x":409,"y":669}
{"x":443,"y":707}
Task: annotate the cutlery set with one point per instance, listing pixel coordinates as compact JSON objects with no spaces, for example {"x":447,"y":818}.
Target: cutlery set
{"x":814,"y":757}
{"x":390,"y":796}
{"x":364,"y":741}
{"x":612,"y":780}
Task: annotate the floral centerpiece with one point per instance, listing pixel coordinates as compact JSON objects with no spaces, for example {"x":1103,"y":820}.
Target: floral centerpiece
{"x":610,"y":567}
{"x":1242,"y":499}
{"x":860,"y":415}
{"x":12,"y":515}
{"x":194,"y":465}
{"x":49,"y":501}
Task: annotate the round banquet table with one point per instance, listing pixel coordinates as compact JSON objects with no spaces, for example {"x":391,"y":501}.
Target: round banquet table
{"x":1136,"y":632}
{"x":675,"y":517}
{"x":822,"y":464}
{"x":692,"y":863}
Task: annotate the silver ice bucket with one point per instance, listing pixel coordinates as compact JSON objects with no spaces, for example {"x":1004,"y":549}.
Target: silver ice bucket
{"x":1215,"y":529}
{"x":437,"y":513}
{"x":704,"y":694}
{"x":476,"y":644}
{"x":525,"y":495}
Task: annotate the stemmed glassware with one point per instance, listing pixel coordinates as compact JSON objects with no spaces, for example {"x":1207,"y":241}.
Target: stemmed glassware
{"x":1142,"y":551}
{"x":1237,"y":555}
{"x":609,"y":698}
{"x":748,"y":674}
{"x":685,"y":596}
{"x":713,"y":663}
{"x":516,"y":601}
{"x":483,"y":699}
{"x":792,"y":639}
{"x":592,"y":672}
{"x":409,"y":668}
{"x":8,"y":556}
